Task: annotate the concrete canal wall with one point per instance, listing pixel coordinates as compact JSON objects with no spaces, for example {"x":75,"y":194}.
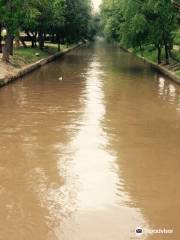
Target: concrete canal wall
{"x":171,"y":75}
{"x":31,"y":67}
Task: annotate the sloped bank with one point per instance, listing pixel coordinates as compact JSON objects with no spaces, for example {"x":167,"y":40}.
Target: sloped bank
{"x":171,"y":75}
{"x":32,"y":67}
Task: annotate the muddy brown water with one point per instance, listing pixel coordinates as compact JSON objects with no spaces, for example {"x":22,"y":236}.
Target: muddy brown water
{"x":91,"y":157}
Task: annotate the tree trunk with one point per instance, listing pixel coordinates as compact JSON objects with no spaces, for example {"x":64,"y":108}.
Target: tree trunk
{"x":11,"y":47}
{"x":141,"y":50}
{"x":52,"y":38}
{"x":59,"y":46}
{"x":166,"y":53}
{"x":58,"y":42}
{"x":159,"y":54}
{"x":8,"y":48}
{"x":33,"y":41}
{"x":0,"y":39}
{"x":17,"y":42}
{"x":41,"y":40}
{"x":23,"y":42}
{"x":32,"y":36}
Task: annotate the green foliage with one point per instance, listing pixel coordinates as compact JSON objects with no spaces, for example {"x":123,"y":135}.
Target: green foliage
{"x":137,"y":23}
{"x":64,"y":20}
{"x":77,"y":19}
{"x":134,"y":28}
{"x":149,"y":53}
{"x":94,"y":27}
{"x":162,"y":21}
{"x":11,"y":14}
{"x":111,"y":19}
{"x":177,"y":38}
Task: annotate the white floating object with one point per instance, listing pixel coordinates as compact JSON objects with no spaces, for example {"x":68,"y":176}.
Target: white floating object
{"x":37,"y":54}
{"x":60,"y":78}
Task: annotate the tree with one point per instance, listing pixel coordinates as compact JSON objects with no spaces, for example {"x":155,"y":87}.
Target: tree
{"x":44,"y":19}
{"x":65,"y":19}
{"x":30,"y":22}
{"x":135,"y":27}
{"x":111,"y":19}
{"x":162,"y":22}
{"x":59,"y":20}
{"x":0,"y":38}
{"x":94,"y":26}
{"x":138,"y":23}
{"x":77,"y":19}
{"x":11,"y":16}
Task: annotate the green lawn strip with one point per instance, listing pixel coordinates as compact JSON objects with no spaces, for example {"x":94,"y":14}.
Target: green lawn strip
{"x":177,"y":38}
{"x":150,"y":53}
{"x":24,"y":56}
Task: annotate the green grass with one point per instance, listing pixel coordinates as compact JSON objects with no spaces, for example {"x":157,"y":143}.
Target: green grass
{"x":177,"y":38}
{"x":178,"y":73}
{"x":28,"y":55}
{"x":149,"y":52}
{"x":176,"y":54}
{"x":151,"y":55}
{"x":23,"y":56}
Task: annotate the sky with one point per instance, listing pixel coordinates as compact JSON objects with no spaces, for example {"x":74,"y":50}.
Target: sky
{"x":96,"y":4}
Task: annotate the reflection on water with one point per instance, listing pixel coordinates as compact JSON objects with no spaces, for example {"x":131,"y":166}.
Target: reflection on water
{"x":91,"y":157}
{"x":167,"y":90}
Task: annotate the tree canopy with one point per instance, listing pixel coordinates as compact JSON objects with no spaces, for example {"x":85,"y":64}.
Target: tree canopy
{"x":137,"y":23}
{"x":63,"y":20}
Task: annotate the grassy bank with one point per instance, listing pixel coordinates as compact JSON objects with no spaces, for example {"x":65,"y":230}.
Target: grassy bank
{"x":24,"y":56}
{"x":26,"y":60}
{"x":150,"y":53}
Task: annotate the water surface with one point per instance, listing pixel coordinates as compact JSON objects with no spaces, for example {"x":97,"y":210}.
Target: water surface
{"x":93,"y":156}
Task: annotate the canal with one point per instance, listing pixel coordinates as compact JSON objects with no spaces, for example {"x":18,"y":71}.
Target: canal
{"x":92,"y":156}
